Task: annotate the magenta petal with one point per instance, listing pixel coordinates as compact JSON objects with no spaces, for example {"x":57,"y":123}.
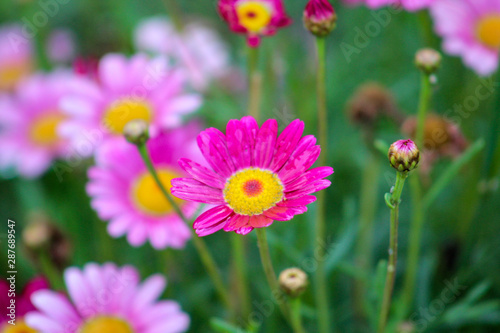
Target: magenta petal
{"x":253,"y":41}
{"x":265,"y":143}
{"x":316,"y":186}
{"x":260,"y":221}
{"x":302,"y":201}
{"x":193,"y":190}
{"x":302,"y":159}
{"x":212,"y":220}
{"x":287,"y":141}
{"x":243,"y":231}
{"x":201,"y":173}
{"x":284,"y":213}
{"x":236,"y":222}
{"x":213,"y":146}
{"x":308,"y":177}
{"x":238,"y":144}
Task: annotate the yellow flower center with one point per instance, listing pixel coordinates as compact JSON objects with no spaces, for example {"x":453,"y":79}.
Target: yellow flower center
{"x":253,"y":15}
{"x":10,"y":74}
{"x":252,"y":191}
{"x":43,"y":131}
{"x":123,"y":111}
{"x":20,"y":327}
{"x":488,"y":31}
{"x":105,"y":324}
{"x":148,"y":196}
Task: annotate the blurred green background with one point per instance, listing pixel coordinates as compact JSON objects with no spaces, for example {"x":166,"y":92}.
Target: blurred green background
{"x":461,"y":233}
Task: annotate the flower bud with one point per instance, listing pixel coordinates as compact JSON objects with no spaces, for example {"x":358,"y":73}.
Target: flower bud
{"x":319,"y":17}
{"x":428,"y":60}
{"x":404,"y":155}
{"x":293,"y":281}
{"x":136,"y":132}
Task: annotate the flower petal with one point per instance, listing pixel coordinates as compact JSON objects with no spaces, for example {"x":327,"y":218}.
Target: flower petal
{"x":213,"y":146}
{"x":316,"y":186}
{"x":260,"y":221}
{"x":308,"y":177}
{"x":287,"y":141}
{"x":193,"y":190}
{"x":238,"y":144}
{"x":302,"y":201}
{"x":284,"y":213}
{"x":265,"y":143}
{"x":302,"y":159}
{"x":212,"y":220}
{"x":202,"y":174}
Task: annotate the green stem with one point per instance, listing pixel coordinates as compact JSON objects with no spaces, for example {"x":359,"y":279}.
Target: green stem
{"x":50,"y":271}
{"x":425,"y":97}
{"x":239,"y":266}
{"x":393,"y":250}
{"x":201,"y":247}
{"x":296,"y":314}
{"x":175,"y":13}
{"x":255,"y":83}
{"x":368,"y":208}
{"x":418,"y":213}
{"x":321,"y":283}
{"x":489,"y":170}
{"x":267,"y":264}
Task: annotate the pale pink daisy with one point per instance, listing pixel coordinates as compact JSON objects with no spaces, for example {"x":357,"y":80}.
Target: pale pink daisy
{"x":16,"y":56}
{"x":197,"y":48}
{"x":257,"y":176}
{"x":127,"y":89}
{"x":106,"y":298}
{"x":410,"y":5}
{"x":29,"y":123}
{"x":123,"y":191}
{"x":470,"y":29}
{"x":255,"y":18}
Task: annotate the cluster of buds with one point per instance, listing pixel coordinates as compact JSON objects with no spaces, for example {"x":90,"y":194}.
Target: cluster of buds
{"x":320,"y":17}
{"x":404,"y":155}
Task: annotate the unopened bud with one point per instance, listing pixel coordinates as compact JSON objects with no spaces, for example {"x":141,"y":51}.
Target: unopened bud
{"x":428,"y":60}
{"x":136,"y":132}
{"x":293,"y":281}
{"x":404,"y":155}
{"x":38,"y":233}
{"x":320,"y":17}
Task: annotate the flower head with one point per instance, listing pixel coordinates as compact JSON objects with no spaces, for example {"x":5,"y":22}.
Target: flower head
{"x":410,"y":5}
{"x":123,"y":192}
{"x":428,"y":60}
{"x":23,"y":305}
{"x":404,"y":155}
{"x":470,"y":29}
{"x":319,"y":17}
{"x":198,"y":48}
{"x":293,"y":281}
{"x":257,"y":177}
{"x":128,"y":89}
{"x":31,"y":120}
{"x":255,"y":18}
{"x":16,"y":56}
{"x":106,"y":298}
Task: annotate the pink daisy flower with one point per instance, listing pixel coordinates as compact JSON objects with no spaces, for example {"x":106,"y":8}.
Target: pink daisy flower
{"x":123,"y":191}
{"x":16,"y":56}
{"x":410,"y":5}
{"x":198,"y":48}
{"x":105,"y":298}
{"x":470,"y":29}
{"x":127,"y":89}
{"x":30,"y":120}
{"x":255,"y":18}
{"x":23,"y":305}
{"x":257,"y":178}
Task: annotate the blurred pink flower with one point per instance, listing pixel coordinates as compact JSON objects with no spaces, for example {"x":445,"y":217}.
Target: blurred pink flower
{"x":61,"y":47}
{"x":257,"y":177}
{"x":470,"y":29}
{"x":16,"y":56}
{"x":106,"y":298}
{"x":198,"y":48}
{"x":30,"y":120}
{"x":255,"y":18}
{"x":124,"y":193}
{"x":23,"y":303}
{"x":410,"y":5}
{"x":127,"y":89}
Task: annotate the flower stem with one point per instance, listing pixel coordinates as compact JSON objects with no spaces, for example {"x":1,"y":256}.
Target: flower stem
{"x":393,"y":250}
{"x":254,"y":83}
{"x":489,"y":170}
{"x":296,"y":314}
{"x":425,"y":97}
{"x":267,"y":264}
{"x":205,"y":256}
{"x":321,"y":287}
{"x":240,"y":276}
